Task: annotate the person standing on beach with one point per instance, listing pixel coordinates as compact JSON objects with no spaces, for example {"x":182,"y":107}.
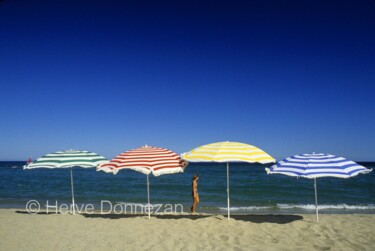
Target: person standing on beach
{"x":195,"y":193}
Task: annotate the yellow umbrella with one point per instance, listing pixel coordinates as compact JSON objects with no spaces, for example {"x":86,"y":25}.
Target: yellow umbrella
{"x":228,"y":152}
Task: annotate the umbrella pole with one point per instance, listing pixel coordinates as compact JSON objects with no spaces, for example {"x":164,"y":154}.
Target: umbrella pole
{"x":316,"y":201}
{"x":71,"y":184}
{"x":228,"y":203}
{"x":148,"y":197}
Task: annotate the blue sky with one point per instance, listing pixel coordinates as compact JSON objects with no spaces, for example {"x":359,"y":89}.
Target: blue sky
{"x":289,"y":77}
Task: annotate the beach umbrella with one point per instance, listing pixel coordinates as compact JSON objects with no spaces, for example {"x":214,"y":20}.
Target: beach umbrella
{"x":147,"y":160}
{"x":317,"y":165}
{"x":228,"y":152}
{"x":68,"y":159}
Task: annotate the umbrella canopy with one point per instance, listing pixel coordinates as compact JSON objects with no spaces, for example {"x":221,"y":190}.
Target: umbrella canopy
{"x":317,"y":165}
{"x":147,"y":160}
{"x":228,"y":152}
{"x":68,"y":159}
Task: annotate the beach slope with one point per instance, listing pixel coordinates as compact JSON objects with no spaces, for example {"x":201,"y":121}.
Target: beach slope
{"x":22,"y":231}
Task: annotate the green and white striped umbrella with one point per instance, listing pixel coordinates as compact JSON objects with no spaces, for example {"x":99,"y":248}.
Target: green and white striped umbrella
{"x":68,"y":159}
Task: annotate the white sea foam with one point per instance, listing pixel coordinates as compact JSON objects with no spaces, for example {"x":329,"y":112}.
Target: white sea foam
{"x":247,"y":208}
{"x":137,"y":204}
{"x":302,"y":206}
{"x":250,"y":208}
{"x":327,"y":207}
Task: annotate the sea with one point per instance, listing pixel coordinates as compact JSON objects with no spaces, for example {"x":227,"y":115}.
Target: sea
{"x":252,"y":190}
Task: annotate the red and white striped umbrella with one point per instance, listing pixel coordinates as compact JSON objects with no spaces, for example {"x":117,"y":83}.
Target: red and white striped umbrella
{"x":147,"y":160}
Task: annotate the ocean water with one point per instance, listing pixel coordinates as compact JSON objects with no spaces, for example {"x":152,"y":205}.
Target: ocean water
{"x":251,"y":189}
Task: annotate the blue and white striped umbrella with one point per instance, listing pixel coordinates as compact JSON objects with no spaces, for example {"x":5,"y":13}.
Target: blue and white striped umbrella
{"x":317,"y":165}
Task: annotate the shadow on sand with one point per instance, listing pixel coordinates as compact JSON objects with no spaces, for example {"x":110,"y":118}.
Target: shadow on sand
{"x":268,"y":218}
{"x":164,"y":216}
{"x":39,"y":213}
{"x":255,"y":218}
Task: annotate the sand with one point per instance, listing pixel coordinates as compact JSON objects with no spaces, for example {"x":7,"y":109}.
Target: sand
{"x":22,"y":231}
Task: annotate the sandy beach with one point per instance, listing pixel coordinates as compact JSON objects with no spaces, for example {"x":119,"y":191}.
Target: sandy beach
{"x":22,"y":231}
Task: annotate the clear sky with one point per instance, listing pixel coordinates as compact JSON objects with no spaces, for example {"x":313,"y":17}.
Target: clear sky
{"x":107,"y":76}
